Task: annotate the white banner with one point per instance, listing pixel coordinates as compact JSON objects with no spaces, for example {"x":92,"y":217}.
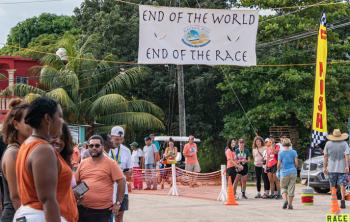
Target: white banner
{"x":197,"y":36}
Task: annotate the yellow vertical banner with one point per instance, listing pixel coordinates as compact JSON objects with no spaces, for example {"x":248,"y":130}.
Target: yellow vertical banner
{"x":319,"y":121}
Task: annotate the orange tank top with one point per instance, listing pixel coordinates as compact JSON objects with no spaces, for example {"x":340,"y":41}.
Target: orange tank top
{"x":26,"y":187}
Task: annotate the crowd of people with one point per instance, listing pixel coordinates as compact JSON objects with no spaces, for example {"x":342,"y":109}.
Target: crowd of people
{"x":48,"y":178}
{"x":276,"y":165}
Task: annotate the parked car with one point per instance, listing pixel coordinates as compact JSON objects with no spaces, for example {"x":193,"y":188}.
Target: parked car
{"x":318,"y":180}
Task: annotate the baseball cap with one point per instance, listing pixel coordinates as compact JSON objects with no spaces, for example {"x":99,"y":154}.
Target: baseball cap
{"x":117,"y":131}
{"x":148,"y":138}
{"x":134,"y":144}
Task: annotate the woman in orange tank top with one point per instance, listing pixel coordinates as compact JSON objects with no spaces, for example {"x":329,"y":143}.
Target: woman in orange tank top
{"x":44,"y":178}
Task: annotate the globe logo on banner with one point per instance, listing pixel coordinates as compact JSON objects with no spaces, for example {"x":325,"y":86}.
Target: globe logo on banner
{"x":196,"y":36}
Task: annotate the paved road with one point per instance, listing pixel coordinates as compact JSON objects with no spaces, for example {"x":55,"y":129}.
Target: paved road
{"x":151,"y":207}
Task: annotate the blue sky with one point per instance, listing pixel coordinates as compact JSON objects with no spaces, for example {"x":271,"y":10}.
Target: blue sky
{"x":11,"y":14}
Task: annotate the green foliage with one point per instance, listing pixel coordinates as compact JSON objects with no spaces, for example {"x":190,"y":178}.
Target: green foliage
{"x":284,"y":95}
{"x":85,"y":96}
{"x":211,"y":154}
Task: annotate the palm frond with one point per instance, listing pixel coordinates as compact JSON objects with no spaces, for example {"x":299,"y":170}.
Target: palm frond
{"x":126,"y":79}
{"x":34,"y":71}
{"x":108,"y":104}
{"x":2,"y":76}
{"x":90,"y":45}
{"x":134,"y":120}
{"x":48,"y":77}
{"x":31,"y":97}
{"x":145,"y":106}
{"x":21,"y":90}
{"x":68,"y":43}
{"x":53,"y":61}
{"x":69,"y":81}
{"x":63,"y":98}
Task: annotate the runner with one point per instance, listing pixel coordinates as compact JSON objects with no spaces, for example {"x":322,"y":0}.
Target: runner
{"x":150,"y":158}
{"x":122,"y":155}
{"x":136,"y":165}
{"x":287,"y":163}
{"x":43,"y":176}
{"x":271,"y":164}
{"x":258,"y":150}
{"x":99,"y":172}
{"x":231,"y":160}
{"x":15,"y":131}
{"x":242,"y":158}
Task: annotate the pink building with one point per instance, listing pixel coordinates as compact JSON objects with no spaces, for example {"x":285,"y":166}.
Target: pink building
{"x":14,"y":69}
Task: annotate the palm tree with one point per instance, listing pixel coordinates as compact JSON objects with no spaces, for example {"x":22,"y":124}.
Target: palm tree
{"x":90,"y":91}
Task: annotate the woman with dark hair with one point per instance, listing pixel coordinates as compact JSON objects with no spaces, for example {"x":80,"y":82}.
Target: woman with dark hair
{"x":231,"y":160}
{"x":64,"y":144}
{"x":44,"y":177}
{"x":260,"y":172}
{"x":15,"y":131}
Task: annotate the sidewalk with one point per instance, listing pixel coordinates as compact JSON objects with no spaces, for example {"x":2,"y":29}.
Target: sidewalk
{"x":154,"y":206}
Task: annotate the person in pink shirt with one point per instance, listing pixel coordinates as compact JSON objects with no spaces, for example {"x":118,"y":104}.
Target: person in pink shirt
{"x":231,"y":160}
{"x":191,"y":159}
{"x":271,"y":168}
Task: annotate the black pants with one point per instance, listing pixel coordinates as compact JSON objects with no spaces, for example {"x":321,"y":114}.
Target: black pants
{"x":231,"y":172}
{"x":93,"y":215}
{"x":259,"y":172}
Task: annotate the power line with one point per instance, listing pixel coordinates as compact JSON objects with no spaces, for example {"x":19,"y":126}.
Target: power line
{"x":28,"y":2}
{"x":277,"y":8}
{"x":297,"y":36}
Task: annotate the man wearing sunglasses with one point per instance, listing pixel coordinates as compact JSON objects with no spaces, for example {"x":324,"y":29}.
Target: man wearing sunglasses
{"x":99,"y":173}
{"x":122,"y":155}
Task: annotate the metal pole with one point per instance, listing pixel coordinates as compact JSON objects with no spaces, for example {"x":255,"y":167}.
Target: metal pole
{"x":181,"y":100}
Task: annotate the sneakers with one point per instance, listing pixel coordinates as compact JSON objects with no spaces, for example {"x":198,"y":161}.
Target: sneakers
{"x":244,"y":196}
{"x":290,"y":207}
{"x":342,"y":204}
{"x":258,"y":196}
{"x":265,"y":196}
{"x":277,"y":197}
{"x":285,"y":205}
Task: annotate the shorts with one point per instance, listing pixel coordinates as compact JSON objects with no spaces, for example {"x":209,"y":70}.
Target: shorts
{"x":272,"y":169}
{"x":243,"y":172}
{"x":337,"y":179}
{"x":125,"y":203}
{"x":193,"y":168}
{"x":288,"y":184}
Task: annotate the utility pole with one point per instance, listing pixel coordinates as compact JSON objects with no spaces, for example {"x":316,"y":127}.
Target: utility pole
{"x":181,"y":99}
{"x":181,"y":95}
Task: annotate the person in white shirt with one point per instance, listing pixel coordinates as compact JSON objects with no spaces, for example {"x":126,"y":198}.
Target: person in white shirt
{"x":136,"y":155}
{"x":122,"y":155}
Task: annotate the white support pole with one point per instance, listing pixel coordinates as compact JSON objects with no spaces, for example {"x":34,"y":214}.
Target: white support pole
{"x":223,"y":193}
{"x":173,"y":190}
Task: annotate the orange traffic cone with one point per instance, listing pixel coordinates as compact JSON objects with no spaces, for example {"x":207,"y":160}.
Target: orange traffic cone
{"x":230,"y":194}
{"x":334,"y":202}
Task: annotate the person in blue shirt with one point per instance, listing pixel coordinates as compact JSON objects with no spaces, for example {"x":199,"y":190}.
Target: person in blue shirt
{"x":156,"y":143}
{"x":287,"y":172}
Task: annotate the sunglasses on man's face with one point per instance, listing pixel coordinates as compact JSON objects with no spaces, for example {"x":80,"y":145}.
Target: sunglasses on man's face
{"x":94,"y":145}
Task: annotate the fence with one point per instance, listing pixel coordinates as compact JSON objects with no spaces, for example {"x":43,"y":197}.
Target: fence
{"x":206,"y":185}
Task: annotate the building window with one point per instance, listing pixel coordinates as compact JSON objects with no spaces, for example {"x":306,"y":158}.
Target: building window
{"x":21,"y":79}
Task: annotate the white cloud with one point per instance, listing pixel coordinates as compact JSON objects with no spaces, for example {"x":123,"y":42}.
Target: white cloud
{"x":10,"y":15}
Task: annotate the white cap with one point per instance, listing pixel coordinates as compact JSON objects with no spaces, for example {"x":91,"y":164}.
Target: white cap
{"x":117,"y":131}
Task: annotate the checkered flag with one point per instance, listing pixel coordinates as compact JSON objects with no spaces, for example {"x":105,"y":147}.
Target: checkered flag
{"x":317,"y":138}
